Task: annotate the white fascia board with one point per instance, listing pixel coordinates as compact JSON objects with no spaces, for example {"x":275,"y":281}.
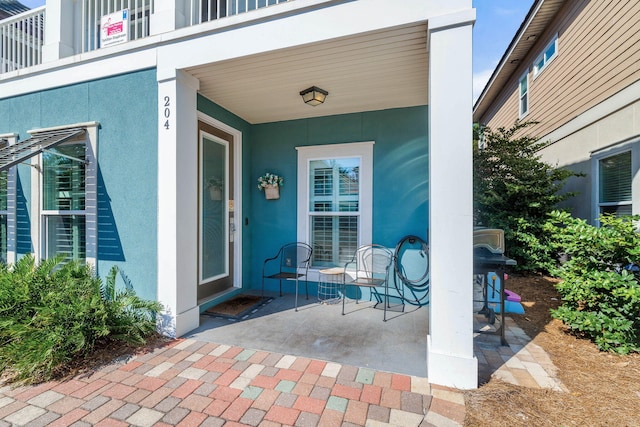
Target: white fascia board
{"x":344,"y":20}
{"x":72,"y":71}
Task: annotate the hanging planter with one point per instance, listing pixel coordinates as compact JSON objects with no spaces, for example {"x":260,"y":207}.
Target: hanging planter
{"x":214,"y":185}
{"x":270,"y":183}
{"x":272,"y":192}
{"x":215,"y":193}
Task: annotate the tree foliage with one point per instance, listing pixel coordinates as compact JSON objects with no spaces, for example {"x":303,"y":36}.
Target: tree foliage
{"x":515,"y":190}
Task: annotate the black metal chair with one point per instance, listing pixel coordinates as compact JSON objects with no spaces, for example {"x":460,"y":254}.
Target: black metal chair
{"x":293,"y":261}
{"x":369,"y":268}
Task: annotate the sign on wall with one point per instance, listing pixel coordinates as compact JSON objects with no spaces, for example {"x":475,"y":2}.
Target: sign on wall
{"x":114,"y":28}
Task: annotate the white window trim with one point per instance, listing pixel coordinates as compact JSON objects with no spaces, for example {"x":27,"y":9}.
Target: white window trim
{"x":547,"y":61}
{"x":91,"y":196}
{"x":522,"y":114}
{"x":630,"y":145}
{"x":362,"y":150}
{"x":12,"y":138}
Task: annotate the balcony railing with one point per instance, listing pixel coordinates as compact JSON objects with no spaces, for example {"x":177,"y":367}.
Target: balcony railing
{"x":21,"y":40}
{"x":207,"y":10}
{"x":93,"y":10}
{"x":22,"y":36}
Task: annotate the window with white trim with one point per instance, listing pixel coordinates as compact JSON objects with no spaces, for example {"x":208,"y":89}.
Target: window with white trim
{"x":63,"y":200}
{"x":614,"y":184}
{"x":66,"y":187}
{"x":335,"y":200}
{"x":523,"y":92}
{"x":549,"y":53}
{"x":4,"y":215}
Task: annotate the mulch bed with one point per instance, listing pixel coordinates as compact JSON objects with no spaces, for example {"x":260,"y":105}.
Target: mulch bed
{"x":604,"y":388}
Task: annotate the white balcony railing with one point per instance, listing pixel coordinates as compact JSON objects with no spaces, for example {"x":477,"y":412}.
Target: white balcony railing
{"x":207,"y":10}
{"x":21,"y":39}
{"x":93,"y":10}
{"x":22,"y":36}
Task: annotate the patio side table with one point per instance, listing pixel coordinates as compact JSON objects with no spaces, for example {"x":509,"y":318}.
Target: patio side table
{"x":330,"y":285}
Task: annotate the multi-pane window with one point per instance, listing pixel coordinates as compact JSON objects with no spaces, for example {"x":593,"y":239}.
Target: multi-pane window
{"x":4,"y":213}
{"x":335,"y":200}
{"x":523,"y":93}
{"x":64,"y":200}
{"x":549,"y":53}
{"x":614,"y":186}
{"x":334,"y":209}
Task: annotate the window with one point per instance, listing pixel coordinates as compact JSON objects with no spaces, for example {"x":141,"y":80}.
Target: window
{"x":334,"y":204}
{"x":63,"y":200}
{"x":523,"y":92}
{"x":4,"y":215}
{"x":549,"y":54}
{"x":66,"y":184}
{"x":7,"y":202}
{"x":614,"y":184}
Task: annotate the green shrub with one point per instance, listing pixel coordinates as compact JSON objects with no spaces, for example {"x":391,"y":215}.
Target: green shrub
{"x":600,"y":285}
{"x":515,"y":190}
{"x":54,"y":312}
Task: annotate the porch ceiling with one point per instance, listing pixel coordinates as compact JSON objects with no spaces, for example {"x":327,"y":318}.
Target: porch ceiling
{"x":373,"y":71}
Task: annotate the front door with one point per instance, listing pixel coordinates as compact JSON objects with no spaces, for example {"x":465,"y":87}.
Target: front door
{"x":216,"y":216}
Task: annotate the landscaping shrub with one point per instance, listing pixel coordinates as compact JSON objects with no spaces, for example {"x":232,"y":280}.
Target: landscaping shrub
{"x":600,"y":285}
{"x":54,"y":312}
{"x":515,"y":190}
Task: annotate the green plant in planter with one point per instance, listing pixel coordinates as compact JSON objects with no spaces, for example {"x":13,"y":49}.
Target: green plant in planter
{"x":600,"y":285}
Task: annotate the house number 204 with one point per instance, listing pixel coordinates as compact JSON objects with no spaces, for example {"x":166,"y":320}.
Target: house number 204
{"x":167,"y":111}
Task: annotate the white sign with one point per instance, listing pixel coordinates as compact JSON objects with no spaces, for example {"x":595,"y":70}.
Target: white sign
{"x":114,"y":28}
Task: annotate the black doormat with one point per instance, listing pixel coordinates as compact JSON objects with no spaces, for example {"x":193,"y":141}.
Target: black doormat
{"x":239,"y":307}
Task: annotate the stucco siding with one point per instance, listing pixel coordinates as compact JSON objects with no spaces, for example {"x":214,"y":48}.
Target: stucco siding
{"x":400,"y":175}
{"x":125,"y":106}
{"x":575,"y":152}
{"x":598,"y":55}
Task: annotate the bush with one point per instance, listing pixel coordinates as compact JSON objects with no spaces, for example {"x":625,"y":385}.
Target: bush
{"x":600,"y":285}
{"x":515,"y":190}
{"x":53,"y":313}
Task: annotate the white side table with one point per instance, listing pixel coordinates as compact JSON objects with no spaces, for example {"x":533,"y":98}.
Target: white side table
{"x":330,"y":285}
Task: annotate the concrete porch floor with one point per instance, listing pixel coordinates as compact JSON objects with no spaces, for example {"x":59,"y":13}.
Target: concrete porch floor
{"x":359,"y":338}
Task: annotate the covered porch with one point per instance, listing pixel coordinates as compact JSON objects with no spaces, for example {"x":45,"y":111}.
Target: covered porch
{"x":399,"y":69}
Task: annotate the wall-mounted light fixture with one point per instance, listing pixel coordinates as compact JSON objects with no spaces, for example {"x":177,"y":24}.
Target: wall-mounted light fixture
{"x":314,"y":95}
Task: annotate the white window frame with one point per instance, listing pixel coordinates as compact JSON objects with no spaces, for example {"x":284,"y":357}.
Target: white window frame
{"x":12,"y":138}
{"x":361,"y":150}
{"x":544,"y":58}
{"x":632,"y":146}
{"x":525,"y":77}
{"x":38,"y":231}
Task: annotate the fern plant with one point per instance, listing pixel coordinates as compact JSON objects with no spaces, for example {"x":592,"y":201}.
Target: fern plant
{"x":53,"y":313}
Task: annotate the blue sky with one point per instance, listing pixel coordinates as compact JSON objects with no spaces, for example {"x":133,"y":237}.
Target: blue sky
{"x":496,"y":23}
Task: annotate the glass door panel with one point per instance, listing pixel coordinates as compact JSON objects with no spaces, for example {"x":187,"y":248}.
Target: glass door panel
{"x":214,"y":217}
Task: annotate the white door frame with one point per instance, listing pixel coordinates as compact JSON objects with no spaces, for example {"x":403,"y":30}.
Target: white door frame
{"x":237,"y":192}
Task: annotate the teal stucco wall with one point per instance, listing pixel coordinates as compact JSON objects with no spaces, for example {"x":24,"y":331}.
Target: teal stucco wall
{"x":400,"y":175}
{"x":126,"y":108}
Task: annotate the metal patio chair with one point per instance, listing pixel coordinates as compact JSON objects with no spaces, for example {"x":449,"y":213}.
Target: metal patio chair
{"x":292,"y":263}
{"x":369,"y":268}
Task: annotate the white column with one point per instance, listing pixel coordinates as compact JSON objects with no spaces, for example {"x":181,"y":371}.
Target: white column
{"x":450,"y":359}
{"x":58,"y":30}
{"x":168,"y":15}
{"x":177,"y":202}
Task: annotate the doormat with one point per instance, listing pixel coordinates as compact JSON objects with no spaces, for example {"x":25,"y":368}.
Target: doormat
{"x":239,"y":307}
